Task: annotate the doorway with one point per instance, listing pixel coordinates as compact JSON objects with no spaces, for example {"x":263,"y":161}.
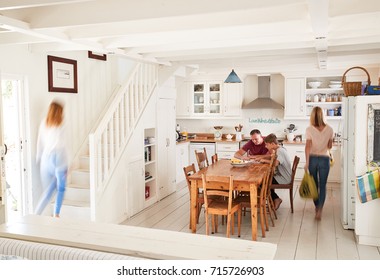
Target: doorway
{"x":12,"y":94}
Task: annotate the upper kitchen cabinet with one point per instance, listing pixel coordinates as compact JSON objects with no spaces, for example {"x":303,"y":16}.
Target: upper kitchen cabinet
{"x":232,"y":99}
{"x":183,"y":100}
{"x":325,"y":92}
{"x":207,"y":98}
{"x":294,"y":98}
{"x":303,"y":94}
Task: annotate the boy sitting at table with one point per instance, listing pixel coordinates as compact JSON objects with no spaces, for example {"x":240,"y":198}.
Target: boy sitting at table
{"x":283,"y":171}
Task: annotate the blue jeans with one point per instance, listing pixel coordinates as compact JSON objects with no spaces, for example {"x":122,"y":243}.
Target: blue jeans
{"x":53,"y":177}
{"x":319,"y":168}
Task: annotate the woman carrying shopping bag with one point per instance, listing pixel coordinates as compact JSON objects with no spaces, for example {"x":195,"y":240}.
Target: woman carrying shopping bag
{"x":319,"y":138}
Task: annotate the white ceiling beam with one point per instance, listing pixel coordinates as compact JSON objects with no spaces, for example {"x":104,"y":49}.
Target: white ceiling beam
{"x":22,"y":4}
{"x":319,"y":19}
{"x":257,"y":19}
{"x":100,"y":12}
{"x":59,"y":37}
{"x":8,"y":38}
{"x":275,"y":32}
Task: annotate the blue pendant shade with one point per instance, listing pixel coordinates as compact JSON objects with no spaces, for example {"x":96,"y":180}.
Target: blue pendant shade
{"x":232,"y":78}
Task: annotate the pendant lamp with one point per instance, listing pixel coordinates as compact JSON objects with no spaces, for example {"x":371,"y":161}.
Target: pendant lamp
{"x":232,"y":78}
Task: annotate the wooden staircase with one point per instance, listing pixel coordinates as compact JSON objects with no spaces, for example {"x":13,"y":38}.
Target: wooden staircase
{"x":119,"y":119}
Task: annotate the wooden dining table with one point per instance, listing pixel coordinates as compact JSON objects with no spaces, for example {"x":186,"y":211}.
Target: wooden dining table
{"x":247,"y":178}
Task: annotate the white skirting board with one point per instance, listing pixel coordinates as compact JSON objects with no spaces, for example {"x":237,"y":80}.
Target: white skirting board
{"x":134,"y":241}
{"x":368,"y":240}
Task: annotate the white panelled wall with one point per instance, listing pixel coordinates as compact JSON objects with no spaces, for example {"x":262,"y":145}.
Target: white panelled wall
{"x":96,"y":81}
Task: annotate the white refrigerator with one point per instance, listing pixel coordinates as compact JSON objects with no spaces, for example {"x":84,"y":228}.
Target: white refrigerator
{"x":357,"y":149}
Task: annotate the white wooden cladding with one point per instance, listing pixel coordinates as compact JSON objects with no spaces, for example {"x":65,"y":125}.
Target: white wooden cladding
{"x":110,"y":138}
{"x":40,"y":251}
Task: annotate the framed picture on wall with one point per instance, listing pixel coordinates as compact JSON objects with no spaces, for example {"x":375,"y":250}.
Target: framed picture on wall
{"x":98,"y":56}
{"x":62,"y":74}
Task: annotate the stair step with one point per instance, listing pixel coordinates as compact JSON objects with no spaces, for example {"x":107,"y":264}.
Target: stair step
{"x":80,"y":177}
{"x":76,"y":186}
{"x":77,"y":211}
{"x":84,"y":162}
{"x":76,"y":203}
{"x":75,"y":193}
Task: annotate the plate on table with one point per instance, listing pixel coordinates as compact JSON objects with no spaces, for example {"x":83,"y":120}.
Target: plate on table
{"x":242,"y":163}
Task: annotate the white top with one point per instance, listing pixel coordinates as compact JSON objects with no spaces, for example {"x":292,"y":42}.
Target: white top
{"x":283,"y":171}
{"x":51,"y":139}
{"x":319,"y":139}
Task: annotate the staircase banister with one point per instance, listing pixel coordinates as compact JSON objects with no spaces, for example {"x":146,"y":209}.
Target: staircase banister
{"x":108,"y":110}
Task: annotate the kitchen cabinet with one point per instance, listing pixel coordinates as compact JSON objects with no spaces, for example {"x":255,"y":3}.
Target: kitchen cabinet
{"x":327,"y":96}
{"x":294,"y":98}
{"x":183,"y":101}
{"x":166,"y":145}
{"x":207,"y":98}
{"x":232,"y":99}
{"x":182,"y":160}
{"x":300,"y":98}
{"x":136,"y":190}
{"x":334,"y":175}
{"x":299,"y":150}
{"x":226,"y":150}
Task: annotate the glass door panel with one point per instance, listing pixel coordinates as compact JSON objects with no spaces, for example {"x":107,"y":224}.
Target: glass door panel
{"x":199,"y":98}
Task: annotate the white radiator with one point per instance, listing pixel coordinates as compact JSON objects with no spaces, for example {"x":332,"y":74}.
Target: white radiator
{"x":40,"y":251}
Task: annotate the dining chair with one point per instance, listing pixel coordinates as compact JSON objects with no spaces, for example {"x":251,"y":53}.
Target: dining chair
{"x":227,"y":206}
{"x":263,"y":198}
{"x":291,"y":184}
{"x":269,"y":201}
{"x":190,"y":170}
{"x":202,"y":159}
{"x":214,"y":158}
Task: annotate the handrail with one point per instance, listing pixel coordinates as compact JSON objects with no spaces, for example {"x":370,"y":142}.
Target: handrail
{"x":111,"y":136}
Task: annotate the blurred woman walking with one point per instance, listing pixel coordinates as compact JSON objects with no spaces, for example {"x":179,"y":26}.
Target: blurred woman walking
{"x":319,"y":138}
{"x":52,"y":156}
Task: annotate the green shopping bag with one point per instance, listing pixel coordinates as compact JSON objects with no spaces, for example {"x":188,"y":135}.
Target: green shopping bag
{"x":308,"y":188}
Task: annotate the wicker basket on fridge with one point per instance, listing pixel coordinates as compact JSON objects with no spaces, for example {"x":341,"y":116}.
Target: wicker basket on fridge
{"x":353,"y":88}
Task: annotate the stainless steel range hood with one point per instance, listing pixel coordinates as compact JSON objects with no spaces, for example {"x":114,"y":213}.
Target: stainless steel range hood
{"x":263,"y":101}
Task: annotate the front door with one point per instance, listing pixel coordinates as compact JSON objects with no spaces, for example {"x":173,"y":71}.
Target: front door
{"x":2,"y":167}
{"x":14,"y":148}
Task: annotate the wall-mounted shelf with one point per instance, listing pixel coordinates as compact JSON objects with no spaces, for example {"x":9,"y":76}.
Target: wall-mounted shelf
{"x":150,"y":166}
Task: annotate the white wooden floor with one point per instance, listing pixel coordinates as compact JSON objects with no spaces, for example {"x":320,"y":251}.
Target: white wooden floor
{"x":298,"y":236}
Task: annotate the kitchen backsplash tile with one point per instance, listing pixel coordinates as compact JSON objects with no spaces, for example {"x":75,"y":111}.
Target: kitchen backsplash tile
{"x":268,"y":121}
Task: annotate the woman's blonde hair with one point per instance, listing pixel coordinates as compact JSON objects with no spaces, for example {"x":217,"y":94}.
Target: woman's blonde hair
{"x":55,"y":114}
{"x":316,"y":117}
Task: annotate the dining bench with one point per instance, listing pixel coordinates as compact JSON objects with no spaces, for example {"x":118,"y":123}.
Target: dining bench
{"x":133,"y":241}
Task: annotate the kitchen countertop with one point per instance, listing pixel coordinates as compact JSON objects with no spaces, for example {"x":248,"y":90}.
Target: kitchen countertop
{"x":207,"y":138}
{"x":213,"y":140}
{"x":286,"y":142}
